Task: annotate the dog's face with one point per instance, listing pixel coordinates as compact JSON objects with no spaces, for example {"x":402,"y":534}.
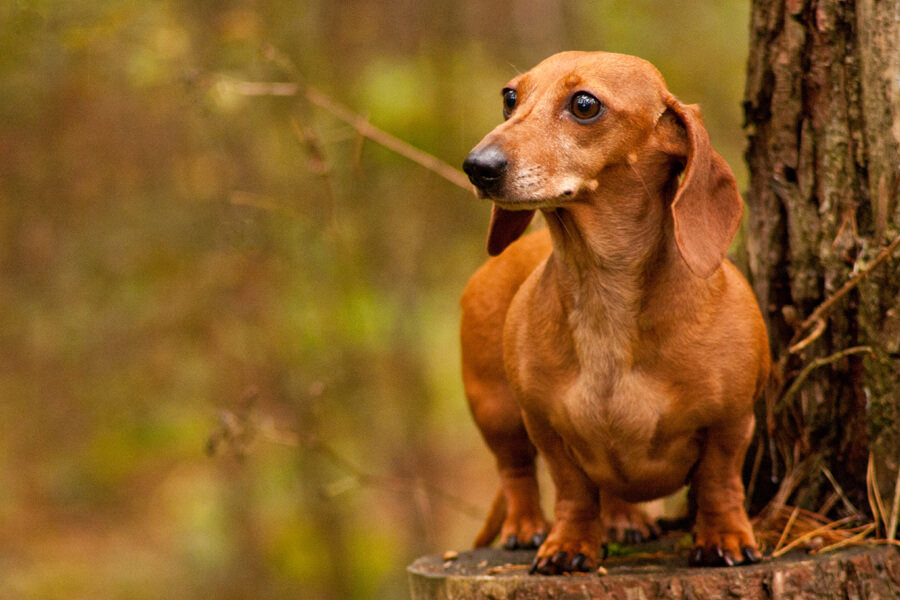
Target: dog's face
{"x":566,"y":120}
{"x":577,"y":115}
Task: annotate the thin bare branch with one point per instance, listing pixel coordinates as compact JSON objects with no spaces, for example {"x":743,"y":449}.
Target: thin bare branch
{"x":849,"y":541}
{"x":399,"y":484}
{"x":379,"y":136}
{"x":873,"y":493}
{"x":258,"y":88}
{"x":895,"y":510}
{"x":787,"y":528}
{"x":837,"y":488}
{"x":813,"y":336}
{"x":808,"y":536}
{"x":788,"y":396}
{"x":242,"y":198}
{"x":238,"y":429}
{"x":819,"y":313}
{"x":789,"y":483}
{"x":829,"y":503}
{"x":358,"y":122}
{"x":318,"y":164}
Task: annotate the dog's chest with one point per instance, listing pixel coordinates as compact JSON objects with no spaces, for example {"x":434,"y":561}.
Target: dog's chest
{"x":593,"y":396}
{"x":624,"y":434}
{"x":610,"y":400}
{"x":615,"y":410}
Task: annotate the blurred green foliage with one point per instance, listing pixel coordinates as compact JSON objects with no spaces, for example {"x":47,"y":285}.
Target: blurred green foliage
{"x":172,"y":267}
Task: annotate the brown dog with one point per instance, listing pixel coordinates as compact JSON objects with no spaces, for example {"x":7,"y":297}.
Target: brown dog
{"x":618,"y":342}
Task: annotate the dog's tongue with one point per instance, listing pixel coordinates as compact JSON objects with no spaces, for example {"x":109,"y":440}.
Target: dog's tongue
{"x":506,"y":227}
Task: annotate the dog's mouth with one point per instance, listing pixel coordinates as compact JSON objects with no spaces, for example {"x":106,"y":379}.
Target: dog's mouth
{"x":512,"y":201}
{"x":508,"y":204}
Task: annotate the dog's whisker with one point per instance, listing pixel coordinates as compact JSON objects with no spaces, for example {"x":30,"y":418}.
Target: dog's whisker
{"x":641,"y":178}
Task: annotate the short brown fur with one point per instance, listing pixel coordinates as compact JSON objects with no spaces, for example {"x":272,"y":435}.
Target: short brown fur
{"x":617,"y":342}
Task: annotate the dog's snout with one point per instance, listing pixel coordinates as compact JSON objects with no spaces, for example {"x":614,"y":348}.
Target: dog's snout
{"x":486,"y":167}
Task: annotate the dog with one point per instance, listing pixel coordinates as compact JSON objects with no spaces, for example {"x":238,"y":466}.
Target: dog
{"x":618,"y":342}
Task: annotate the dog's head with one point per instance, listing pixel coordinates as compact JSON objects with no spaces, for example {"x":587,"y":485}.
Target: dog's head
{"x":576,"y":115}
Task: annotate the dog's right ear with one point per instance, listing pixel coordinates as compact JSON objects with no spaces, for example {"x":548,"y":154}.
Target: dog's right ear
{"x":707,"y":208}
{"x":506,"y":227}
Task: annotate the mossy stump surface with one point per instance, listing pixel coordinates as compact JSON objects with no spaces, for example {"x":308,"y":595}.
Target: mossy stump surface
{"x":655,"y":570}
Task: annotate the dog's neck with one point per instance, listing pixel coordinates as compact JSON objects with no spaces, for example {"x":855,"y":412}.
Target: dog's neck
{"x":611,"y":251}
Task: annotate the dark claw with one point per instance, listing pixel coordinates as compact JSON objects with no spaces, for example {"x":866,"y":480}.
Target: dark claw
{"x":633,"y":536}
{"x":545,"y":565}
{"x":715,"y":556}
{"x":512,"y":542}
{"x":535,"y":565}
{"x":728,"y":559}
{"x":751,"y":555}
{"x":655,"y":531}
{"x":579,"y":562}
{"x":538,"y":539}
{"x":696,"y":557}
{"x":559,"y":560}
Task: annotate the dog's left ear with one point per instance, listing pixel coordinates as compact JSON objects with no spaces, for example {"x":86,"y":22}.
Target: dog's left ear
{"x":707,"y":208}
{"x":506,"y":227}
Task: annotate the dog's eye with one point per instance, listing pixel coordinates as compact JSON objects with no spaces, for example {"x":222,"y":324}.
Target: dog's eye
{"x":509,"y":102}
{"x":585,"y":107}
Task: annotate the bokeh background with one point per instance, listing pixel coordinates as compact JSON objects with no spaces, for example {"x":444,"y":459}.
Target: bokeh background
{"x":228,"y":324}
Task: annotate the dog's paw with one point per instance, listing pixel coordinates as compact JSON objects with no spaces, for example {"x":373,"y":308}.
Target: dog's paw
{"x":723,"y":550}
{"x":524,"y":531}
{"x":627,"y":523}
{"x":553,"y":559}
{"x":572,"y":546}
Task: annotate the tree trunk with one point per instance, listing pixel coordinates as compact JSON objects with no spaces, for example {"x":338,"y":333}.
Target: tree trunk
{"x":822,"y":109}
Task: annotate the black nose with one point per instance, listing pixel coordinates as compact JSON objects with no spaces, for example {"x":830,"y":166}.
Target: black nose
{"x":486,"y":167}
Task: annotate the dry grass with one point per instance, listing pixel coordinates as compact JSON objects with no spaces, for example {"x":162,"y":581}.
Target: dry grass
{"x":782,"y":528}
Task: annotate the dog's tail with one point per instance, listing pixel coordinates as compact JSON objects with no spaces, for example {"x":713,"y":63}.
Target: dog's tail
{"x":493,"y":523}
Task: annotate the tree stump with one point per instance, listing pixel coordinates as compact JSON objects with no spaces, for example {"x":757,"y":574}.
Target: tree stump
{"x":656,"y":571}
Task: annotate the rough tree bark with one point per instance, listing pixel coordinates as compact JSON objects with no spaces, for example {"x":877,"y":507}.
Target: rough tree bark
{"x":822,"y":109}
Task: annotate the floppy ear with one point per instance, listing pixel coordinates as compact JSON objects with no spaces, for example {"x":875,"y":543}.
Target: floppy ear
{"x":707,"y":208}
{"x":506,"y":227}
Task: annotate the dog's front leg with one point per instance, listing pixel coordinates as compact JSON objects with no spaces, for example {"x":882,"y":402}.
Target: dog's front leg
{"x":576,"y":535}
{"x":723,"y":535}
